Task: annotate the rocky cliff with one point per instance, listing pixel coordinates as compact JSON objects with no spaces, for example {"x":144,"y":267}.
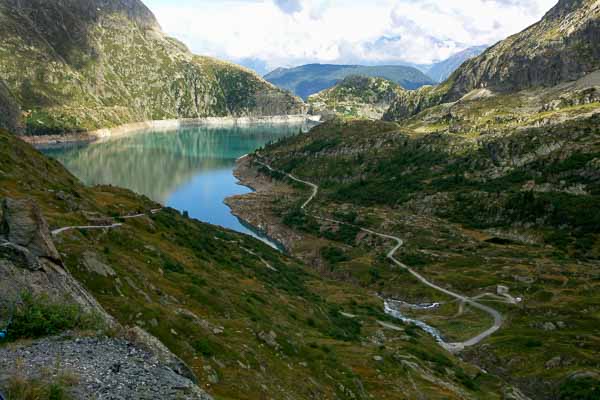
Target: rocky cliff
{"x":356,"y":96}
{"x":30,"y":263}
{"x":75,"y":65}
{"x":563,"y":46}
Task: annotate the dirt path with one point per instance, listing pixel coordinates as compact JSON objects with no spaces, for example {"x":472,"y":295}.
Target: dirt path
{"x":58,"y":231}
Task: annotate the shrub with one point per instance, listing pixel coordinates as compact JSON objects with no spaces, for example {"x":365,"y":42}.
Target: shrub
{"x":580,"y":389}
{"x":343,"y":328}
{"x":38,"y":316}
{"x":206,"y":347}
{"x":19,"y":388}
{"x":173,"y":266}
{"x":334,"y":255}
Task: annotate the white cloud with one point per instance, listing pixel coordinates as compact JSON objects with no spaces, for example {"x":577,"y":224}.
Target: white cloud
{"x":289,"y":6}
{"x":291,"y":32}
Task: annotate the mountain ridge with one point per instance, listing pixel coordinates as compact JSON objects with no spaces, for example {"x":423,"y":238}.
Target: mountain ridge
{"x":440,"y":71}
{"x":309,"y":79}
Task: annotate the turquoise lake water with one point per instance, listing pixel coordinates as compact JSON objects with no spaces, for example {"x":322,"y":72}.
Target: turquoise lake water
{"x":189,"y":169}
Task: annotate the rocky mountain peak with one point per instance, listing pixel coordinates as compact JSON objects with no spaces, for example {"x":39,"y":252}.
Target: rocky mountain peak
{"x":41,"y":12}
{"x":564,"y":7}
{"x":563,"y":46}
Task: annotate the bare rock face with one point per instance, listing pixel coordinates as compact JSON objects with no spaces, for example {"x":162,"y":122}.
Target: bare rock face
{"x":24,"y":225}
{"x":563,"y":46}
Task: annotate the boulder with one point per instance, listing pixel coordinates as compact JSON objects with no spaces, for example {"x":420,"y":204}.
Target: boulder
{"x":92,"y":264}
{"x":269,"y":339}
{"x":23,"y":225}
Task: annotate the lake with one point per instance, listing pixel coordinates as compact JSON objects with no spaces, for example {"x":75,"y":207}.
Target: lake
{"x":189,"y":169}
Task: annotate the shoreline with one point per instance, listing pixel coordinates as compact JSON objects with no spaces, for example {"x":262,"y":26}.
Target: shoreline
{"x":249,"y":207}
{"x":168,"y":124}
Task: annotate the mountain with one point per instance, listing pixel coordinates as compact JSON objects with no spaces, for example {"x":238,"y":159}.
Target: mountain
{"x":74,"y":65}
{"x":488,"y":185}
{"x":355,"y":97}
{"x":309,"y":79}
{"x":440,"y":71}
{"x":563,"y":46}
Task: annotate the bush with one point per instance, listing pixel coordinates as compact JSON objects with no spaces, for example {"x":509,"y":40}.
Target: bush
{"x":334,"y":255}
{"x":580,"y":389}
{"x":206,"y":347}
{"x":24,"y":389}
{"x":296,"y":218}
{"x":343,"y":328}
{"x":38,"y":316}
{"x":173,"y":266}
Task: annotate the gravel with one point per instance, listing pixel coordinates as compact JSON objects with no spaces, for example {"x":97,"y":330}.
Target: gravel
{"x":104,"y":368}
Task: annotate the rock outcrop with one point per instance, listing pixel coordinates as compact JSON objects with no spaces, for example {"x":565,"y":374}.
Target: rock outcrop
{"x":563,"y":46}
{"x":80,"y":65}
{"x":30,"y":263}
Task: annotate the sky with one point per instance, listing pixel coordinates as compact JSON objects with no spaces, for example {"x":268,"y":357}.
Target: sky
{"x":267,"y":34}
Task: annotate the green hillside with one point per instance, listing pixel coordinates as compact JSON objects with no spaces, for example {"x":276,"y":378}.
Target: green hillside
{"x":109,"y":63}
{"x":309,"y":79}
{"x":355,"y":97}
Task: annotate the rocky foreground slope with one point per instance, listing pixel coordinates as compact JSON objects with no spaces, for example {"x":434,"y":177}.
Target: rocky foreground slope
{"x":38,"y":296}
{"x":73,"y":65}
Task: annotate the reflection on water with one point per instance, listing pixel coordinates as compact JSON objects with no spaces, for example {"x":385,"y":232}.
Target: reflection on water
{"x":189,"y":169}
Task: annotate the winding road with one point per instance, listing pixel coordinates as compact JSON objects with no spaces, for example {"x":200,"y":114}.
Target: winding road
{"x":453,"y":347}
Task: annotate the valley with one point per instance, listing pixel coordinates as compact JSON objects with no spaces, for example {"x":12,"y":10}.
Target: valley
{"x":175,"y":226}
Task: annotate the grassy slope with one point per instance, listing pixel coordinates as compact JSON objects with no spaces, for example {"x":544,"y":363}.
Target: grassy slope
{"x":180,"y":279}
{"x":449,"y":181}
